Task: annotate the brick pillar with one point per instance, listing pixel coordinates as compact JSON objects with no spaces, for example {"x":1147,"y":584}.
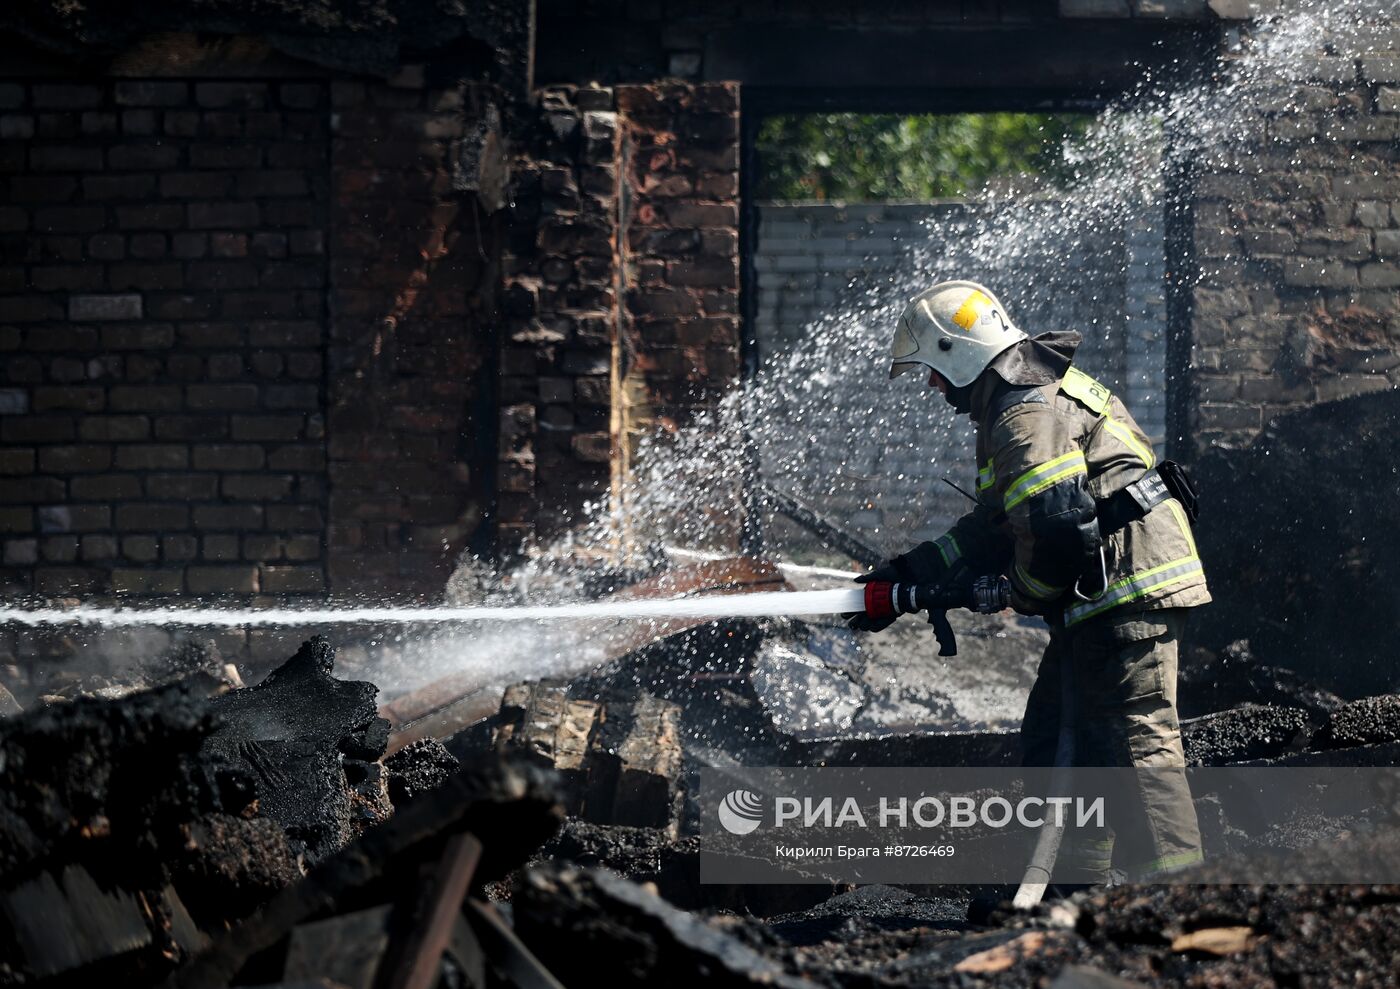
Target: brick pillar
{"x":621,"y":297}
{"x":561,"y":312}
{"x":412,"y":309}
{"x":680,"y":328}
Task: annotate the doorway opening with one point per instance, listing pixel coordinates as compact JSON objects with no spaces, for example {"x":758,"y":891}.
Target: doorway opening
{"x":848,"y":215}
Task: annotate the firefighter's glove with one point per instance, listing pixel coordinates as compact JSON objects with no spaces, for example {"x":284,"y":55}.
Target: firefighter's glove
{"x":924,"y":564}
{"x":921,"y":565}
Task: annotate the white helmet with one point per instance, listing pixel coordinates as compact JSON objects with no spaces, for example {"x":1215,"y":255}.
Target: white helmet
{"x":955,"y":328}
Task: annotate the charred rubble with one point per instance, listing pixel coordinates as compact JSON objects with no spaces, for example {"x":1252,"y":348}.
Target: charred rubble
{"x":202,"y":835}
{"x":310,"y":743}
{"x":166,"y":814}
{"x":485,"y":38}
{"x":118,"y":831}
{"x":1290,"y":521}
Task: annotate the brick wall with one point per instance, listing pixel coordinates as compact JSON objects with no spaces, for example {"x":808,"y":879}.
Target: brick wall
{"x":1298,"y":247}
{"x":251,"y":332}
{"x":1295,"y":363}
{"x":163,"y":326}
{"x":622,"y":288}
{"x":823,"y":267}
{"x":680,"y":334}
{"x":412,"y":337}
{"x":248,"y":329}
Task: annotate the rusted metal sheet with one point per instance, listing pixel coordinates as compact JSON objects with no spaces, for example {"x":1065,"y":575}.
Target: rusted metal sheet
{"x":450,"y":704}
{"x":734,"y":575}
{"x":425,"y":700}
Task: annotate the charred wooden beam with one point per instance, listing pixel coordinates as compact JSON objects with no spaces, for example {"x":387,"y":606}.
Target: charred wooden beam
{"x":511,"y":807}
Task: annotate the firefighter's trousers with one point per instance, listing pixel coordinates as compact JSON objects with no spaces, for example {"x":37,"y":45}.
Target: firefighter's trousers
{"x":1123,"y":692}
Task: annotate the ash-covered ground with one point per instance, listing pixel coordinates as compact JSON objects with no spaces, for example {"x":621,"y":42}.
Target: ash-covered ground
{"x":896,"y":681}
{"x":206,"y":833}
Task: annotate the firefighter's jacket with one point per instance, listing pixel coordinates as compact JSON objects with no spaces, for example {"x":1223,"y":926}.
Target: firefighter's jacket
{"x":1051,"y":441}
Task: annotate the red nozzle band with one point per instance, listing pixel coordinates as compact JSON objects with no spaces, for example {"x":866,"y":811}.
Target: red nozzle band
{"x":879,"y":599}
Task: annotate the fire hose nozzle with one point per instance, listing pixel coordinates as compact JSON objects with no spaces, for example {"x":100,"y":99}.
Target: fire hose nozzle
{"x":884,"y":599}
{"x":879,"y":599}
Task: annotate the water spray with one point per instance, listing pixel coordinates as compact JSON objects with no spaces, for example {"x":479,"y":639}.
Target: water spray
{"x":757,"y":605}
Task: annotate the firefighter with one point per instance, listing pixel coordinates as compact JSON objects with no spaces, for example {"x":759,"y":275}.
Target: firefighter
{"x":1073,"y":509}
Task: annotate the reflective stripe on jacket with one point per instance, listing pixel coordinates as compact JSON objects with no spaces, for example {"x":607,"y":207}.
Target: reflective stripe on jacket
{"x":1045,"y":454}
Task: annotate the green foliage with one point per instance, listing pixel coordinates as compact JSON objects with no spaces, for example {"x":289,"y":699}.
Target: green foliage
{"x":865,"y":156}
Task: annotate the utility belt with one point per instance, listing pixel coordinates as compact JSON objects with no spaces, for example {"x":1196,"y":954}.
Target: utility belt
{"x":1124,"y":507}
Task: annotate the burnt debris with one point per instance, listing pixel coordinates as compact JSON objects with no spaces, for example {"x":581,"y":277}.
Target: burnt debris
{"x":115,"y":827}
{"x":1250,"y":731}
{"x":418,"y":768}
{"x":310,"y":744}
{"x":569,"y":913}
{"x":1369,"y":721}
{"x":478,"y":826}
{"x":206,"y":836}
{"x":1218,"y":681}
{"x":1289,"y":520}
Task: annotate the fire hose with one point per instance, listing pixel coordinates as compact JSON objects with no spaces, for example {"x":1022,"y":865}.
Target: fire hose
{"x":986,"y":595}
{"x":1047,"y":843}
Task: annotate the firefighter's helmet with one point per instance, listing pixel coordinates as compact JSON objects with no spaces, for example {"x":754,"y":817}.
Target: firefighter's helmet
{"x":955,"y":328}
